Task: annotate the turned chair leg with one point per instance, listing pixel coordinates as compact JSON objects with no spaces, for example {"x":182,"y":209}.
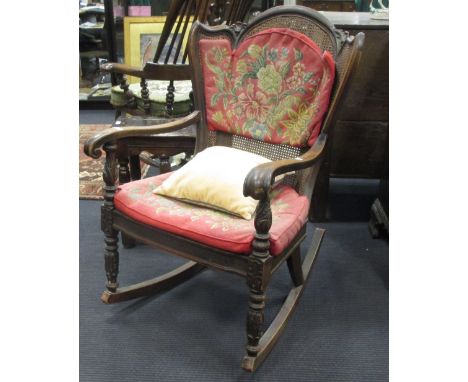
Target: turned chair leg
{"x":255,"y":319}
{"x":111,"y":254}
{"x":111,"y":260}
{"x":260,"y":344}
{"x":258,"y":276}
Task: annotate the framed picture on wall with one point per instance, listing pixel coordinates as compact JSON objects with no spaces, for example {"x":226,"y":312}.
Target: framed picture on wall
{"x":141,"y":38}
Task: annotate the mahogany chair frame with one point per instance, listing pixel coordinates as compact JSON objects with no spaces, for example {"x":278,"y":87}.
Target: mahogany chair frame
{"x":257,"y":267}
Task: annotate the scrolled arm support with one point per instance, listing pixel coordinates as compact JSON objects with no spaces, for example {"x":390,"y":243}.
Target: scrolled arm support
{"x":259,"y":180}
{"x":93,"y":146}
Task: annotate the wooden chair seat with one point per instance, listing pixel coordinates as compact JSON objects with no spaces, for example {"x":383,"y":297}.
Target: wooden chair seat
{"x":208,"y":226}
{"x":157,"y":97}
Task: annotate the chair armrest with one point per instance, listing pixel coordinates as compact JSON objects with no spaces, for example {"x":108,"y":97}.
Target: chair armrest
{"x":258,"y":182}
{"x":112,"y":67}
{"x":151,"y":71}
{"x":93,"y":145}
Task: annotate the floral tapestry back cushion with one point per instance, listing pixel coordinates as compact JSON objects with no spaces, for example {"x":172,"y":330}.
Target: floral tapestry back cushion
{"x":274,"y":87}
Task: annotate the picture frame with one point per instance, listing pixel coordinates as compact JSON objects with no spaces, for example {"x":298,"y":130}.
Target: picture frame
{"x":141,"y":37}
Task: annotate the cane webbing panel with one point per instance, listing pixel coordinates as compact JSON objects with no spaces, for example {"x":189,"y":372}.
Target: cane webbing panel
{"x":267,"y":150}
{"x":342,"y":62}
{"x":314,"y":31}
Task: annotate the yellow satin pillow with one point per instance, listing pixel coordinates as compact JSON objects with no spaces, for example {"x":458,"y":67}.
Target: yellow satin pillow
{"x":215,"y":178}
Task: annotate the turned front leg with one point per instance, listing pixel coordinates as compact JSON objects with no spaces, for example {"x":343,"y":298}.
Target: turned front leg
{"x":258,"y":275}
{"x":111,"y":254}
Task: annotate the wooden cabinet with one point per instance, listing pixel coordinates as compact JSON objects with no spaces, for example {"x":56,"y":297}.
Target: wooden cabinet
{"x":329,"y":5}
{"x":360,"y":140}
{"x":359,"y":144}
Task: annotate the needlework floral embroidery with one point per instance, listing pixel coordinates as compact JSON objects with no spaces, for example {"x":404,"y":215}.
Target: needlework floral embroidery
{"x":212,"y":218}
{"x":267,"y":92}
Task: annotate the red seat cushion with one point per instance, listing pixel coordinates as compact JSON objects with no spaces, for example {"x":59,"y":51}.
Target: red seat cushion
{"x":210,"y":227}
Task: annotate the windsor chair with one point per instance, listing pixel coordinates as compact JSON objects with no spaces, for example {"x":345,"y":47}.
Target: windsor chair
{"x":168,"y":75}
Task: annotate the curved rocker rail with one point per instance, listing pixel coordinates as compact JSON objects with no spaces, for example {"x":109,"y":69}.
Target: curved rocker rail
{"x":272,"y":334}
{"x":158,"y":284}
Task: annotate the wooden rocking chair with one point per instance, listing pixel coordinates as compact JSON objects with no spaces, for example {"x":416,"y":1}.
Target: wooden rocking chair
{"x":277,"y":49}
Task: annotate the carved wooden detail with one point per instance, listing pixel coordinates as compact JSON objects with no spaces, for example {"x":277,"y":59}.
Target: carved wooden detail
{"x":111,"y":260}
{"x":255,"y":279}
{"x":110,"y":174}
{"x":262,"y":222}
{"x":254,"y":330}
{"x":257,"y":275}
{"x":170,"y":98}
{"x":129,"y":96}
{"x":145,"y":95}
{"x":237,"y":27}
{"x":111,"y":254}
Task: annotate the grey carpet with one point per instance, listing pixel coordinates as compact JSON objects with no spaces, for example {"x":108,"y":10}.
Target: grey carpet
{"x":97,"y":117}
{"x":196,"y":331}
